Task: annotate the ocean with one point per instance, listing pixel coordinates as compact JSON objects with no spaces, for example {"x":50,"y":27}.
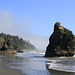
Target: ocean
{"x":32,"y":62}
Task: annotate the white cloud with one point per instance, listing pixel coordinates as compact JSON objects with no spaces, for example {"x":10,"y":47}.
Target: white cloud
{"x":21,"y":27}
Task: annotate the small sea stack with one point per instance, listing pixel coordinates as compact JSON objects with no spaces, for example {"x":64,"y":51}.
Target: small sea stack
{"x":61,"y":42}
{"x":6,"y":47}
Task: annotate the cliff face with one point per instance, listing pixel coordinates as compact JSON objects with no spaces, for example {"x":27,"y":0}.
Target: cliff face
{"x":61,"y":42}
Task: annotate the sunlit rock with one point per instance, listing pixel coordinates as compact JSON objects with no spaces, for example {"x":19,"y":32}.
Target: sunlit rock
{"x":61,"y":42}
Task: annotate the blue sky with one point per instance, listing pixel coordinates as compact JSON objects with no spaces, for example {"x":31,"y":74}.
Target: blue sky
{"x":35,"y":19}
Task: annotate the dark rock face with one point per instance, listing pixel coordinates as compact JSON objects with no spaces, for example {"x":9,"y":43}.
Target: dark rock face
{"x":10,"y":44}
{"x":20,"y":51}
{"x":61,"y":42}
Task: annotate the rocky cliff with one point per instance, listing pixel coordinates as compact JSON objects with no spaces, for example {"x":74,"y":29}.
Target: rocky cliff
{"x":7,"y":47}
{"x":61,"y":42}
{"x":18,"y":42}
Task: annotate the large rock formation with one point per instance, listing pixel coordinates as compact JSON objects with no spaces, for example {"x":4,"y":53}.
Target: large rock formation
{"x":61,"y":42}
{"x":6,"y":47}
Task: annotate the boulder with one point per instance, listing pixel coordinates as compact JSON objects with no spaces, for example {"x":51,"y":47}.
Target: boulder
{"x":20,"y":51}
{"x":61,"y":42}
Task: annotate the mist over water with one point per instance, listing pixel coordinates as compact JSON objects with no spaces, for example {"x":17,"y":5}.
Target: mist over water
{"x":33,"y":62}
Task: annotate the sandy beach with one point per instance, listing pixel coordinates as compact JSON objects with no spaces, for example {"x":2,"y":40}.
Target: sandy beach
{"x":4,"y":70}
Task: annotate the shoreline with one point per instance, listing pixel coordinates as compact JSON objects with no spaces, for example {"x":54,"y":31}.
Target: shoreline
{"x":4,"y":70}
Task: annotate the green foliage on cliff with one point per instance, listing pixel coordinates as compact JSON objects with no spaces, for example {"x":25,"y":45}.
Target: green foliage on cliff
{"x":19,"y":43}
{"x":1,"y":39}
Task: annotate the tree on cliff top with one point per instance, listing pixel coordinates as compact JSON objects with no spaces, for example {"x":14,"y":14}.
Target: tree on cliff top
{"x":18,"y":42}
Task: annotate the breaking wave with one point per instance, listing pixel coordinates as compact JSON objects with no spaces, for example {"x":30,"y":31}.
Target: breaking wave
{"x":65,"y":64}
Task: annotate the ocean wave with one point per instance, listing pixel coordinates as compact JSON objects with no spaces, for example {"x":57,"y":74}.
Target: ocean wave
{"x":58,"y":66}
{"x":62,"y":57}
{"x":20,"y":54}
{"x":73,"y":55}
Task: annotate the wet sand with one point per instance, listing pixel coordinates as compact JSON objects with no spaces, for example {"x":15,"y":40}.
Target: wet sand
{"x":4,"y":70}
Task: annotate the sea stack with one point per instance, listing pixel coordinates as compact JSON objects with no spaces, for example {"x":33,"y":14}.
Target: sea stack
{"x":6,"y":47}
{"x":61,"y":42}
